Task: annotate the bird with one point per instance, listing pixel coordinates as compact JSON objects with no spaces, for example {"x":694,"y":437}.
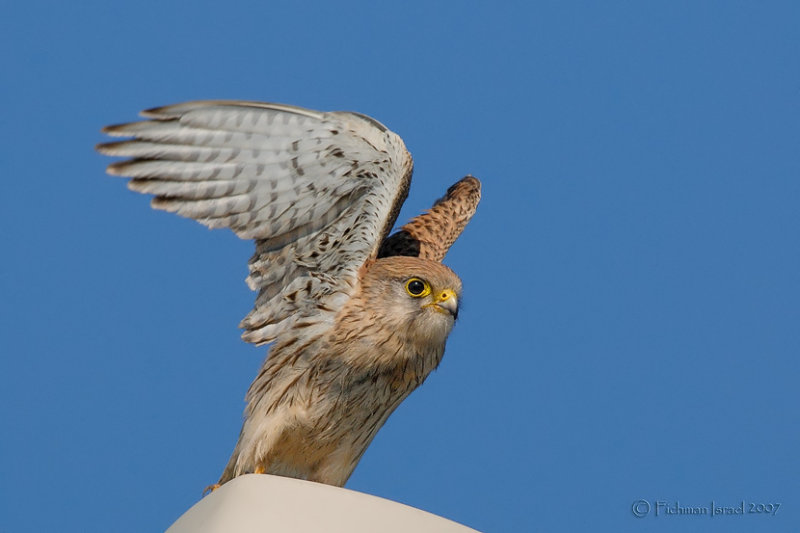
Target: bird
{"x":356,"y":318}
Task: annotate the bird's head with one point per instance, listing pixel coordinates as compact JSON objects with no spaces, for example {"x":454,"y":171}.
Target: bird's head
{"x":417,"y":297}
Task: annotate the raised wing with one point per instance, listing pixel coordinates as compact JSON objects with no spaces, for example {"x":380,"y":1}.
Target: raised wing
{"x":317,"y":191}
{"x":431,"y":234}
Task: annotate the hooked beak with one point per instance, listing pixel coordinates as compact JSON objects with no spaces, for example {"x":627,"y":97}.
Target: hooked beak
{"x":446,"y":302}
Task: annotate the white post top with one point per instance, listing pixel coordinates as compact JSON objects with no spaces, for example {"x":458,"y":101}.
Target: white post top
{"x":264,"y":503}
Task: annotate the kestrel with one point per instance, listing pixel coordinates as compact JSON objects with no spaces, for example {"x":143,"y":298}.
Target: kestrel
{"x":358,"y":318}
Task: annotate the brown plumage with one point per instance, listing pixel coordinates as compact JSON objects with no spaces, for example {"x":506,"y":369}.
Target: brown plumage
{"x":358,"y":320}
{"x":432,"y":233}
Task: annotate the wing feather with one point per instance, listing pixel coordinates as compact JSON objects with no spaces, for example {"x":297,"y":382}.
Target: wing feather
{"x":431,"y":234}
{"x":317,"y":192}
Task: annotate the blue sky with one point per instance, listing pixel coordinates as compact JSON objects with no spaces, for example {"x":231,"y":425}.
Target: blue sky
{"x":632,"y":277}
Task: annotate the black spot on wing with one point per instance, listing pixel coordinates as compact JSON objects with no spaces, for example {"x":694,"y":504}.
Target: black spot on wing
{"x":400,"y":243}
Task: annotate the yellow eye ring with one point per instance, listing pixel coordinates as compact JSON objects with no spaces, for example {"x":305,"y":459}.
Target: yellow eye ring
{"x":417,"y":287}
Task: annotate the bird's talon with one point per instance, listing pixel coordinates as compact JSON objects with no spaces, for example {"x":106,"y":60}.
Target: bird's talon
{"x":211,"y":488}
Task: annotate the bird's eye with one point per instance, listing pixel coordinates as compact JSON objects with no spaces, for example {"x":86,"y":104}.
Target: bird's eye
{"x":417,"y":287}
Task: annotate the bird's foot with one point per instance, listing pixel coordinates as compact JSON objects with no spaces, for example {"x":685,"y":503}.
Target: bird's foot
{"x":211,"y":488}
{"x":260,"y":470}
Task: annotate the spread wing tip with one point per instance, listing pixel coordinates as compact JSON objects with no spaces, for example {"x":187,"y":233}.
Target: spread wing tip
{"x":467,"y":189}
{"x":430,"y":235}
